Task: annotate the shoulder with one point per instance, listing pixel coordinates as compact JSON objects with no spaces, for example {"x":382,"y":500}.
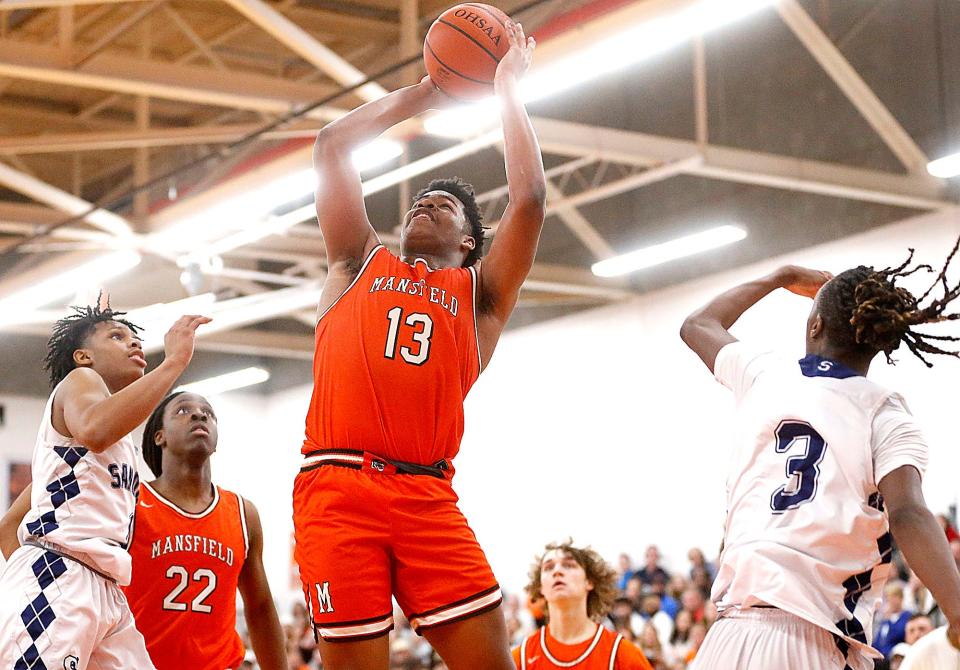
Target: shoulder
{"x":79,"y":380}
{"x":629,"y":657}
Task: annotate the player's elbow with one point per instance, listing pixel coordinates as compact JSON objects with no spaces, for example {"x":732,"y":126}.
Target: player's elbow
{"x":689,"y":328}
{"x":328,"y":145}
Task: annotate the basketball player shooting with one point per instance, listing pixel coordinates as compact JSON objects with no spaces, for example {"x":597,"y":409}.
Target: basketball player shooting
{"x":399,"y":343}
{"x":820,"y":453}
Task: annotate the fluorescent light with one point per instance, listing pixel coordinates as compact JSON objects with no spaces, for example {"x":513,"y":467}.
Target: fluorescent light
{"x":377,"y":152}
{"x":618,"y":51}
{"x":242,"y":218}
{"x":65,"y":283}
{"x":668,"y":251}
{"x":227,"y":382}
{"x":946,"y":167}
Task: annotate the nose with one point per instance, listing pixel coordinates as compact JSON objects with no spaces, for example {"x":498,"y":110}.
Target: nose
{"x":136,"y":344}
{"x":197,"y":414}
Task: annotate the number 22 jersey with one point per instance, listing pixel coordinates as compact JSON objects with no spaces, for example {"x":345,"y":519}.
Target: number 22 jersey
{"x":395,"y":356}
{"x":805,"y":529}
{"x":186,"y":567}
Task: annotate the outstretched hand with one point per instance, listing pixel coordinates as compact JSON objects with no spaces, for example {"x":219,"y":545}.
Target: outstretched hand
{"x":516,"y":61}
{"x":178,"y":342}
{"x":803,"y":281}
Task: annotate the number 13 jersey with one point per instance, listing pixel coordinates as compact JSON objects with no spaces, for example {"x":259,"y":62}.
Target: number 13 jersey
{"x":395,"y":356}
{"x":186,"y":568}
{"x":805,"y":529}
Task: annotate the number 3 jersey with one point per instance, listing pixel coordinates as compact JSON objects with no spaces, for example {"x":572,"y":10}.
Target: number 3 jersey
{"x":186,"y":567}
{"x":395,"y":356}
{"x":805,"y":529}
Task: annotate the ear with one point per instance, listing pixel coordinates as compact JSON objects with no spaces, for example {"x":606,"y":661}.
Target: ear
{"x":589,"y":586}
{"x":469,"y":242}
{"x":816,"y":328}
{"x":82,"y":358}
{"x":158,"y":438}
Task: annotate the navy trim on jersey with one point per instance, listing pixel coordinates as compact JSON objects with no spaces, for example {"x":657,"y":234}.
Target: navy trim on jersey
{"x":855,"y":587}
{"x":38,"y":616}
{"x":61,"y":490}
{"x":818,"y":366}
{"x":844,"y":648}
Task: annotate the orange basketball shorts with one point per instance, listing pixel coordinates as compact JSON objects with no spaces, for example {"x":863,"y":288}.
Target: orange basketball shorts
{"x":363,"y":535}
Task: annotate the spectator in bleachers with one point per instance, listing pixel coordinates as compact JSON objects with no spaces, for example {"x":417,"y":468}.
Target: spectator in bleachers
{"x":693,"y":601}
{"x":917,"y":626}
{"x":651,"y":567}
{"x":699,"y":562}
{"x":624,"y":571}
{"x":680,"y":640}
{"x":652,"y":647}
{"x":654,"y":616}
{"x":891,"y":629}
{"x":698,"y":632}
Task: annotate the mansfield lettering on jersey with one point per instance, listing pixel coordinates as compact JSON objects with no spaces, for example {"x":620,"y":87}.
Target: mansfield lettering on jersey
{"x":417,"y":288}
{"x":192,"y":543}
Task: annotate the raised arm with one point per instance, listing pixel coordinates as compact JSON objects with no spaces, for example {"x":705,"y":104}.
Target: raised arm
{"x":266,"y":635}
{"x":85,"y":409}
{"x":347,"y":233}
{"x":923,"y":543}
{"x":9,"y":542}
{"x":706,"y":331}
{"x":511,"y":255}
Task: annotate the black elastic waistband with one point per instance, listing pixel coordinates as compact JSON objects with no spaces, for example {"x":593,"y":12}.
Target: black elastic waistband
{"x":364,"y":460}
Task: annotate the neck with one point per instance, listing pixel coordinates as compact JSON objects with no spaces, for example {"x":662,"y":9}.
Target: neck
{"x":434,"y":261}
{"x":186,"y":485}
{"x":570,"y":625}
{"x":858,"y":363}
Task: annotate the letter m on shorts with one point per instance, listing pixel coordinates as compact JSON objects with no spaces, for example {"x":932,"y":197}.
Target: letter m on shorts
{"x":324,"y":604}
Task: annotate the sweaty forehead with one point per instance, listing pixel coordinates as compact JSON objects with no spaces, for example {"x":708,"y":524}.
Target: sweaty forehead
{"x":442,"y":194}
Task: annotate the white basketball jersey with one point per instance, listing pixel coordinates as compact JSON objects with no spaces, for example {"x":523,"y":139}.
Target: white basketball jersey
{"x":82,"y":503}
{"x":805,"y":529}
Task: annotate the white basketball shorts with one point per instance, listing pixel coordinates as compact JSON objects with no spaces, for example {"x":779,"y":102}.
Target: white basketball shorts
{"x":765,"y":638}
{"x":56,"y":614}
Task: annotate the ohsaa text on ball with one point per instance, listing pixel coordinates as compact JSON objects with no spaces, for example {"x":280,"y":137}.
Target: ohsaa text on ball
{"x":480,"y":23}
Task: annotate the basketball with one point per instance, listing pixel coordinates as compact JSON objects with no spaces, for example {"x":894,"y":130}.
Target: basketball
{"x":463,"y":48}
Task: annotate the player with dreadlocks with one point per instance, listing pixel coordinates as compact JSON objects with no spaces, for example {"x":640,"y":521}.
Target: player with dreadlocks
{"x":62,"y":606}
{"x":820,"y":452}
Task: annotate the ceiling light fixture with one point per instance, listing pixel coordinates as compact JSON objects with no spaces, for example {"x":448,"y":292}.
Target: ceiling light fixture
{"x":946,"y":167}
{"x":90,"y":274}
{"x":680,"y":247}
{"x":229,"y":381}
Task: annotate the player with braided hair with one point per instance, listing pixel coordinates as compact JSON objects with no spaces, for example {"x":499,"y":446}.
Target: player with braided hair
{"x":826,"y":465}
{"x":62,"y":606}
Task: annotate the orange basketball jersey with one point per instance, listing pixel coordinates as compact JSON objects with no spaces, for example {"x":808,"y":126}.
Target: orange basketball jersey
{"x":606,"y":650}
{"x":395,"y":356}
{"x":183,"y":593}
